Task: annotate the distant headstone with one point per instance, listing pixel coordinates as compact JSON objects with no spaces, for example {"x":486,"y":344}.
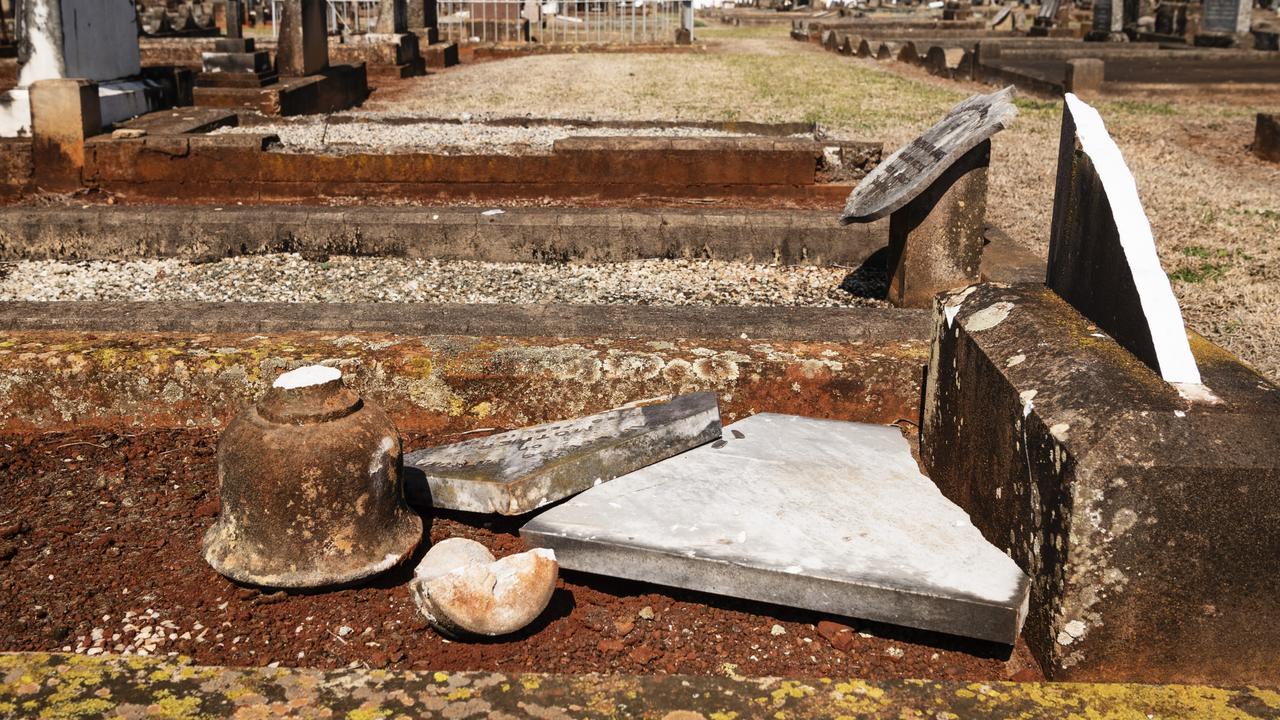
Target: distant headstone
{"x":824,"y":515}
{"x":1226,"y":16}
{"x":393,"y":17}
{"x":1102,"y":256}
{"x":909,"y":171}
{"x":1108,"y":18}
{"x":515,"y":472}
{"x":303,"y":47}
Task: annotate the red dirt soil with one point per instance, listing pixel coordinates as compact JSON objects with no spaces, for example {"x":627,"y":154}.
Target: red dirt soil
{"x":100,"y":553}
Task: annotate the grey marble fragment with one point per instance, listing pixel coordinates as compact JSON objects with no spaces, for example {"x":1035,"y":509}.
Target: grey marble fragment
{"x":515,"y":472}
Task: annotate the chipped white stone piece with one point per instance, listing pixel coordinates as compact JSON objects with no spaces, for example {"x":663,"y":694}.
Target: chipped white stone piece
{"x":463,"y":591}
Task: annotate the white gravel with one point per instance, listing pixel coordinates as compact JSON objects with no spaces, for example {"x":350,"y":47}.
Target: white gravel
{"x":444,"y":138}
{"x":290,"y":278}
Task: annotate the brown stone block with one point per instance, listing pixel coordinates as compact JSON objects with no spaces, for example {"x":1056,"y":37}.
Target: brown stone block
{"x":1150,"y":523}
{"x":64,"y":113}
{"x":935,"y":241}
{"x":1266,"y":137}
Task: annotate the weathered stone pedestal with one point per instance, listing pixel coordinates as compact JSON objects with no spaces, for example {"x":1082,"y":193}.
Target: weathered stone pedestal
{"x":386,"y":55}
{"x":64,"y":113}
{"x":1150,"y":524}
{"x":935,"y":241}
{"x":235,"y":63}
{"x":308,"y":84}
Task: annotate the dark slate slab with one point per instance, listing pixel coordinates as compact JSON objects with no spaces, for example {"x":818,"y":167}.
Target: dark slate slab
{"x":913,"y":168}
{"x":1102,"y":255}
{"x":515,"y":472}
{"x":824,"y":515}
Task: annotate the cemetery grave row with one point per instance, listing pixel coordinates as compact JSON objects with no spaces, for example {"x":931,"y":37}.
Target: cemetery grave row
{"x":1094,"y":496}
{"x":1061,"y":430}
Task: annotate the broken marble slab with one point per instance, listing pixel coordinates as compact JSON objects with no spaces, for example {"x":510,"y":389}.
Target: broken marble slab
{"x":823,"y":515}
{"x":515,"y":472}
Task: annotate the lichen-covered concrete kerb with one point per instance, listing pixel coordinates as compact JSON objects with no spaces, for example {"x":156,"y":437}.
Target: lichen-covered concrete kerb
{"x":57,"y":686}
{"x":1149,"y":523}
{"x":52,"y":379}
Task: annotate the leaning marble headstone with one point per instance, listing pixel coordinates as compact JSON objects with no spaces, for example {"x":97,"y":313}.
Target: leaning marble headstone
{"x":824,"y":515}
{"x":1102,"y":255}
{"x":515,"y":472}
{"x":911,"y":170}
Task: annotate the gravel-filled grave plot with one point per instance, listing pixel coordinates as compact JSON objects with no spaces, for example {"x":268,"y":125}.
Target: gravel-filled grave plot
{"x":100,"y":553}
{"x":290,"y":278}
{"x":371,"y":134}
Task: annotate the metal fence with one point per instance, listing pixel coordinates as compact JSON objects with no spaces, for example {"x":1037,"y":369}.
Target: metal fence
{"x":559,"y":21}
{"x":353,"y":16}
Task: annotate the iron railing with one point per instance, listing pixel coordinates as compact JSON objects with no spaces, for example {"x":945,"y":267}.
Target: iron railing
{"x":559,"y":21}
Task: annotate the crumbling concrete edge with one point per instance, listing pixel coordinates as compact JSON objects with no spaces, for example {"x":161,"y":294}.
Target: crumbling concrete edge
{"x":57,"y":685}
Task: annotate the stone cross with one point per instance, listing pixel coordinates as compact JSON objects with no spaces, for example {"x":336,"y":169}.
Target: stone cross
{"x":934,"y":191}
{"x":1102,"y":256}
{"x":303,"y":48}
{"x":393,"y":17}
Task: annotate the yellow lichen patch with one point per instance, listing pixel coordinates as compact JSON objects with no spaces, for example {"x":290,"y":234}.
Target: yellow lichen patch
{"x":441,"y":677}
{"x":530,"y":682}
{"x":168,"y":706}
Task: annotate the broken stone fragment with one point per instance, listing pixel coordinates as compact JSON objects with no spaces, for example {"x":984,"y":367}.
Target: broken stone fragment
{"x":463,"y":591}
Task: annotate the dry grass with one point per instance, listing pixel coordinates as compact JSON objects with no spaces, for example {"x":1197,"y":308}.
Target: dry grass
{"x":1214,"y":207}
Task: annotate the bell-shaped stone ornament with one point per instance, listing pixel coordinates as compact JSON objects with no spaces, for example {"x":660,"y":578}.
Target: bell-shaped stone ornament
{"x":312,"y":494}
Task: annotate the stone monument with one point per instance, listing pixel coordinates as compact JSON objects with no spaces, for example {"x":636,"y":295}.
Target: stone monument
{"x":934,"y":191}
{"x":1108,"y":21}
{"x":303,"y":47}
{"x":1226,"y":23}
{"x":92,"y":40}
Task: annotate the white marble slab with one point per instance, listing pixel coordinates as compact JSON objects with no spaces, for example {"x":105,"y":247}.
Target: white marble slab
{"x":818,"y":514}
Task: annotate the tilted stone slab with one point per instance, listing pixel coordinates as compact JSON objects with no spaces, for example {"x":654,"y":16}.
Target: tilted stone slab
{"x":914,"y":167}
{"x":1149,"y":522}
{"x":518,"y":471}
{"x":824,"y":515}
{"x":1102,"y":255}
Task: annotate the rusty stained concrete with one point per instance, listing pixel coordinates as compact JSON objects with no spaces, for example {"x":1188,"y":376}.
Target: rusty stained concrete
{"x":1147,"y":520}
{"x":67,"y":686}
{"x":55,"y":379}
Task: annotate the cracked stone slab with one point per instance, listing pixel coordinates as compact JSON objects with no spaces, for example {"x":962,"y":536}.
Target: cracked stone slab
{"x":824,"y":515}
{"x":515,"y":472}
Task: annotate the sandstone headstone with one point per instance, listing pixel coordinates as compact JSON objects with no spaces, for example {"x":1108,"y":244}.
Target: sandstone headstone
{"x":909,"y":171}
{"x":824,"y":515}
{"x":1102,"y":255}
{"x":934,"y":190}
{"x":518,"y":471}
